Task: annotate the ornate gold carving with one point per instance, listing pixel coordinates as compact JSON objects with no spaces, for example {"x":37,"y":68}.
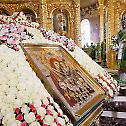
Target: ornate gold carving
{"x":73,"y":13}
{"x":20,"y":6}
{"x":44,"y":10}
{"x":115,"y":10}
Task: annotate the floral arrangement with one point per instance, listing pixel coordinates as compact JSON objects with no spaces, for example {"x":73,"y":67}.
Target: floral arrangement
{"x":11,"y":35}
{"x":108,"y":84}
{"x":23,"y":98}
{"x":50,"y":35}
{"x":41,"y":113}
{"x":20,"y":18}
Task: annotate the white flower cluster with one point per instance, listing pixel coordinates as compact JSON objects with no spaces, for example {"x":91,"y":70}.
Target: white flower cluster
{"x":18,"y":85}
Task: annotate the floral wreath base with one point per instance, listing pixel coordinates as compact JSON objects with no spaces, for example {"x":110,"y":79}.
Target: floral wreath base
{"x":40,"y":115}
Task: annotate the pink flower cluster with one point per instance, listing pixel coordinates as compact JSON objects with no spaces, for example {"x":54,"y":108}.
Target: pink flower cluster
{"x":50,"y":35}
{"x":11,"y":33}
{"x":51,"y":110}
{"x":20,"y":18}
{"x":107,"y":81}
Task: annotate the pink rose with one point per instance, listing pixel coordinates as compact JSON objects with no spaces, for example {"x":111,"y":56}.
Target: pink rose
{"x":19,"y":117}
{"x":38,"y":117}
{"x":23,"y":124}
{"x":17,"y":110}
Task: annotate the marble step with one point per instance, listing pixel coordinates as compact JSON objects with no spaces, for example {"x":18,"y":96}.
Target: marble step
{"x":119,"y":99}
{"x":121,"y":115}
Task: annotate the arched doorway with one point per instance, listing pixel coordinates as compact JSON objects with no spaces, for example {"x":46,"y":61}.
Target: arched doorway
{"x":29,"y":14}
{"x":60,"y":22}
{"x":85,"y":33}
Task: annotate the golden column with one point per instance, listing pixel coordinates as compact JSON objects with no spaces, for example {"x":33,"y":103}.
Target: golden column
{"x":117,"y":17}
{"x":43,"y":13}
{"x":111,"y":54}
{"x":101,"y":11}
{"x":77,"y":22}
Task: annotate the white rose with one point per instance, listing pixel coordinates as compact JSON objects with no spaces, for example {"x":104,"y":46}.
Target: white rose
{"x":53,"y":124}
{"x":29,"y":118}
{"x":50,"y":107}
{"x":104,"y":84}
{"x":61,"y":121}
{"x":45,"y":101}
{"x":56,"y":105}
{"x":70,"y":124}
{"x":35,"y":124}
{"x":66,"y":118}
{"x":48,"y":119}
{"x":37,"y":103}
{"x":41,"y":111}
{"x":25,"y":109}
{"x":100,"y":81}
{"x":18,"y":122}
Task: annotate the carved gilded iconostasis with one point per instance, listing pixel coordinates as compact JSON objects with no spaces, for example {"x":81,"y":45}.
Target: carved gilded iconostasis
{"x":46,"y":11}
{"x":113,"y":9}
{"x":32,"y":8}
{"x":69,"y":17}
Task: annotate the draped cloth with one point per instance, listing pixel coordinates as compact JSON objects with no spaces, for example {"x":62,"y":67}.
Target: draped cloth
{"x":122,"y":56}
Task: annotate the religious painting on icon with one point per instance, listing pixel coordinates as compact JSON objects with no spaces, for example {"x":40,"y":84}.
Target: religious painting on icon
{"x":60,"y":23}
{"x":65,"y":80}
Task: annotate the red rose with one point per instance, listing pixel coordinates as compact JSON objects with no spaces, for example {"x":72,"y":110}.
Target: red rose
{"x":51,"y":104}
{"x":43,"y":105}
{"x":59,"y":114}
{"x":45,"y":125}
{"x":31,"y":106}
{"x":19,"y":117}
{"x":65,"y":43}
{"x":59,"y":124}
{"x":38,"y":117}
{"x":51,"y":114}
{"x":17,"y":110}
{"x":34,"y":110}
{"x":40,"y":120}
{"x":48,"y":98}
{"x":48,"y":111}
{"x":54,"y":119}
{"x":23,"y":124}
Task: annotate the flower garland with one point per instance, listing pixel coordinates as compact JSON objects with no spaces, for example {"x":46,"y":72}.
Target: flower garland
{"x":108,"y":84}
{"x":11,"y":34}
{"x":20,"y":18}
{"x":40,"y":114}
